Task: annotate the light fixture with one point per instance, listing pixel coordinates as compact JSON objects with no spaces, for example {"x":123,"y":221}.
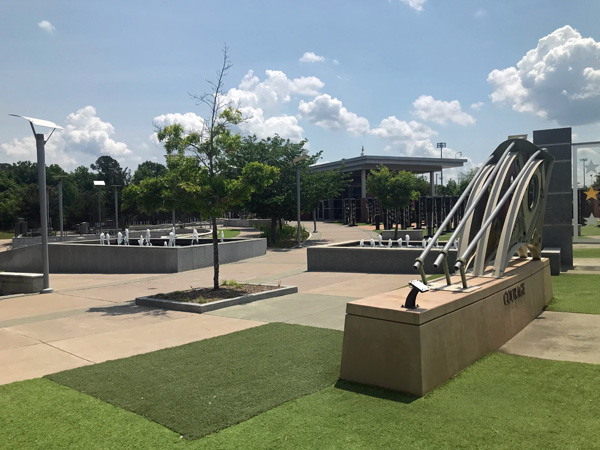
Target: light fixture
{"x":40,"y":144}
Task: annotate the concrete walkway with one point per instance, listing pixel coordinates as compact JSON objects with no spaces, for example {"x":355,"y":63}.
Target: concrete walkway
{"x":90,"y":318}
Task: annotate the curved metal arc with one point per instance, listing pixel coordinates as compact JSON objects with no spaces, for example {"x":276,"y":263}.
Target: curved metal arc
{"x":460,"y":263}
{"x":503,"y":253}
{"x":493,"y":199}
{"x":419,"y":261}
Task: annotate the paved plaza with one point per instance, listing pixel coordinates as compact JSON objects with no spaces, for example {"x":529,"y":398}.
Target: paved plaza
{"x":90,"y":318}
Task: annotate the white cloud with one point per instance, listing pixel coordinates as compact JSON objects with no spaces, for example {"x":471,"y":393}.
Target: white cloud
{"x":438,"y":111}
{"x":477,"y":106}
{"x":189,"y":121}
{"x":275,"y":90}
{"x":285,"y":126}
{"x":558,"y":80}
{"x":85,"y":136}
{"x":310,"y":57}
{"x":47,"y":26}
{"x":417,"y":5}
{"x":330,"y":114}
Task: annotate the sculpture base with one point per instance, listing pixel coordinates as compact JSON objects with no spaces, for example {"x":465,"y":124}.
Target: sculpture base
{"x":416,"y":350}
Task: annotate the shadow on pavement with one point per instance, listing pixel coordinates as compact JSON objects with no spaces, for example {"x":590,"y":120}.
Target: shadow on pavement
{"x":122,"y":310}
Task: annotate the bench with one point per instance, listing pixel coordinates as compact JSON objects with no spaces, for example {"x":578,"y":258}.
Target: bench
{"x":20,"y":283}
{"x":553,"y":254}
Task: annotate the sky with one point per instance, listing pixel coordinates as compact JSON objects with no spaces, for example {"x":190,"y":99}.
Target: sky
{"x":394,"y":76}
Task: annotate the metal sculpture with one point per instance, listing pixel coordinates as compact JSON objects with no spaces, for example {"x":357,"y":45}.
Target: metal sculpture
{"x":504,"y":213}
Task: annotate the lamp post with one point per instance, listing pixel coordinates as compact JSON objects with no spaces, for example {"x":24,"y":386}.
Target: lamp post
{"x":60,"y":203}
{"x":583,"y":160}
{"x":441,"y":146}
{"x":40,"y":144}
{"x":99,"y":183}
{"x":297,"y":162}
{"x":115,"y":186}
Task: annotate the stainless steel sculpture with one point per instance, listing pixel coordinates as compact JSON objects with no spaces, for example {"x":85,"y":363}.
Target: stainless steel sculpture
{"x":504,"y":213}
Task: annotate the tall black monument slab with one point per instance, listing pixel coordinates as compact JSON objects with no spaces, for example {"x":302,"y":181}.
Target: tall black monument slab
{"x":558,"y":225}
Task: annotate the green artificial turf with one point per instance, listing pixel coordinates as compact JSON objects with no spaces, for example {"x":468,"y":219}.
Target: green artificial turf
{"x":203,"y":387}
{"x":586,"y":252}
{"x":500,"y":402}
{"x":40,"y":414}
{"x":577,"y":293}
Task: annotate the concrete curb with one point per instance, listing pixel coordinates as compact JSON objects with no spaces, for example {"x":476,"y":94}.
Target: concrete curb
{"x":213,"y":306}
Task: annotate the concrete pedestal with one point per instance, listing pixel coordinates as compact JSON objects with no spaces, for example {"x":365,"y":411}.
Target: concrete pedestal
{"x":415,"y":351}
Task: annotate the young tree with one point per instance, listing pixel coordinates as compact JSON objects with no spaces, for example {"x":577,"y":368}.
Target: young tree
{"x":278,"y":201}
{"x":392,"y":189}
{"x":212,"y":187}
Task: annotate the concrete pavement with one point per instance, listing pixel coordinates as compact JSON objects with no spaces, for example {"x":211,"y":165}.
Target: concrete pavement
{"x":90,"y":318}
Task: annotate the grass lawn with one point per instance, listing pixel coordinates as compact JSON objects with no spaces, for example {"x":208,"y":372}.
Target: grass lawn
{"x":590,"y":230}
{"x":7,"y":234}
{"x":209,"y":385}
{"x":577,"y":293}
{"x":229,"y":233}
{"x":501,"y":402}
{"x":586,"y":252}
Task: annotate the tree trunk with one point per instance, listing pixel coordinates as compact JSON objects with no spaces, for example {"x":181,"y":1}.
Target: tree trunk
{"x":273,"y":229}
{"x":215,"y":238}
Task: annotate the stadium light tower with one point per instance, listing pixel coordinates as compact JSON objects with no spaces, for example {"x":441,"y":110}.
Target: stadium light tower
{"x":40,"y":144}
{"x":441,"y":146}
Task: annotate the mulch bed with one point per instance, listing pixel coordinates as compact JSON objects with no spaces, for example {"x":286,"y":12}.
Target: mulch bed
{"x":206,"y":295}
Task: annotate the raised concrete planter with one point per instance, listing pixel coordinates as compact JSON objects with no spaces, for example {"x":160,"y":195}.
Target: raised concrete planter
{"x":212,"y":306}
{"x":95,"y":258}
{"x":20,"y":283}
{"x":349,"y":257}
{"x":416,"y":350}
{"x":415,"y":235}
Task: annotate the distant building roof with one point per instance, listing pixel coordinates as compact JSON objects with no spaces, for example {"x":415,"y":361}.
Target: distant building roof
{"x":412,"y":164}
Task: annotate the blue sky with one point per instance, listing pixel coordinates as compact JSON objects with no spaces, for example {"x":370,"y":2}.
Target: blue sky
{"x":395,"y":76}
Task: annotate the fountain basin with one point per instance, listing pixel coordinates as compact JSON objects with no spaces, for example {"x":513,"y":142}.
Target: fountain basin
{"x":348,"y":256}
{"x":83,"y":257}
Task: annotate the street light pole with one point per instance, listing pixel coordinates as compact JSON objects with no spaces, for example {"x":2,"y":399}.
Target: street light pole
{"x":40,"y":144}
{"x":297,"y":161}
{"x":60,"y":203}
{"x":115,"y":186}
{"x":441,"y":146}
{"x":583,"y":160}
{"x":99,"y":184}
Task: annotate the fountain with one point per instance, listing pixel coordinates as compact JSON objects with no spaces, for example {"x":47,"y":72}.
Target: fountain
{"x":400,"y":242}
{"x":380,"y":240}
{"x":362,"y":242}
{"x":101,"y":238}
{"x":390,"y":243}
{"x":222,"y":236}
{"x":407,"y":238}
{"x":195,"y":236}
{"x":119,"y":238}
{"x":127,"y":236}
{"x":372,"y":242}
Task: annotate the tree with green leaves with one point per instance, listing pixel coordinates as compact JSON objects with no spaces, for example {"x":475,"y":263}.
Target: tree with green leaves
{"x":393,"y":190}
{"x":148,"y":169}
{"x":278,"y":201}
{"x":211,"y":185}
